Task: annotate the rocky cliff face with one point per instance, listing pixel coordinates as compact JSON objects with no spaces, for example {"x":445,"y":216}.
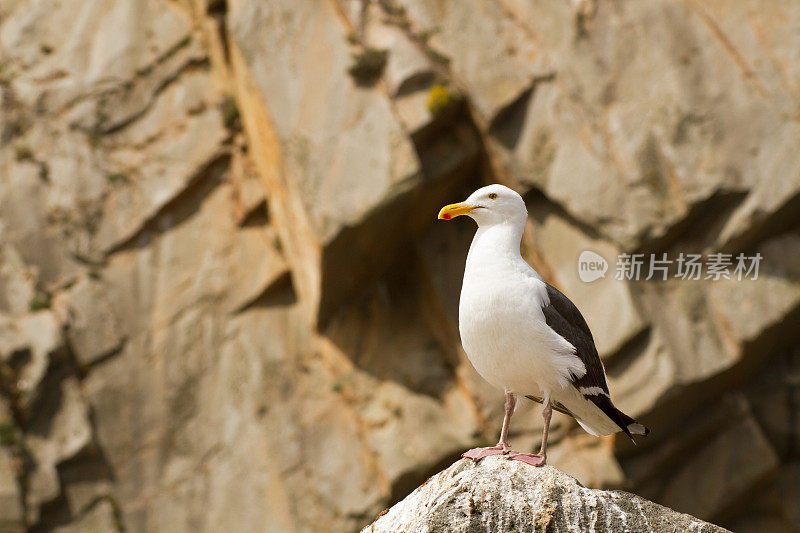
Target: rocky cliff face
{"x":225,"y":303}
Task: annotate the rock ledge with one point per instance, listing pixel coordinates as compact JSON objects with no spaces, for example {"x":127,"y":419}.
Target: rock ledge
{"x":502,"y":495}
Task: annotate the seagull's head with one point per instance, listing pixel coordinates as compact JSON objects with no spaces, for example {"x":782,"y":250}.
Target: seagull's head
{"x":490,"y":205}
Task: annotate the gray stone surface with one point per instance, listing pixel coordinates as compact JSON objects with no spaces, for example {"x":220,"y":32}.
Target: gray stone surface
{"x":92,"y":328}
{"x":634,"y":162}
{"x":99,"y":518}
{"x":69,"y":433}
{"x":12,"y":519}
{"x":501,"y":495}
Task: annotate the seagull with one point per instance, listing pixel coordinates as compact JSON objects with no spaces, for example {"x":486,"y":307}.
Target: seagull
{"x":522,"y":334}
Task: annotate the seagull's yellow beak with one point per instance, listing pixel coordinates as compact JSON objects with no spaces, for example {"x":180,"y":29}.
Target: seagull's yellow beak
{"x":455,"y":210}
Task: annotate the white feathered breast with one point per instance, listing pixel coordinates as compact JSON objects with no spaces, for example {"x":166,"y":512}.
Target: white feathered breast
{"x":506,"y":337}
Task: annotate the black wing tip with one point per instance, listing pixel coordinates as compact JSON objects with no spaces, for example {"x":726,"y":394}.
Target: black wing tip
{"x":627,"y":424}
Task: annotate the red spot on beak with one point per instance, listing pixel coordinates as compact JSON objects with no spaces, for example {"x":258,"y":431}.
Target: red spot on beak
{"x":447,"y":216}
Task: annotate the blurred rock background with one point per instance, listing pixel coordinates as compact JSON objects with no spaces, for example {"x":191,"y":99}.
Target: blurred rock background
{"x":226,"y":304}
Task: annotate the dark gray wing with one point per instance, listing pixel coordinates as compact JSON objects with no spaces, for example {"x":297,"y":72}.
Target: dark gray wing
{"x":563,"y":317}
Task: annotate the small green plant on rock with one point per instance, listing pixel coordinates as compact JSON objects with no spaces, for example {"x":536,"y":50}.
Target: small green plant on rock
{"x":368,"y":65}
{"x":40,"y":300}
{"x":23,"y":153}
{"x":8,"y":434}
{"x":440,"y":98}
{"x":230,"y":113}
{"x":116,"y":177}
{"x":352,"y":38}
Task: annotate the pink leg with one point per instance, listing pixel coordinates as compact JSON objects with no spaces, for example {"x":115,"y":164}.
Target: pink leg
{"x":538,"y":459}
{"x":502,"y":447}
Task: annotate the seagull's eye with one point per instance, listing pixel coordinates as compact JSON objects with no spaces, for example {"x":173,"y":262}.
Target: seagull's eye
{"x":492,"y":195}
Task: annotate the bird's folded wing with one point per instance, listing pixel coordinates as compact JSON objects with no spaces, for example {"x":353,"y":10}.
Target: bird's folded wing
{"x":565,"y":319}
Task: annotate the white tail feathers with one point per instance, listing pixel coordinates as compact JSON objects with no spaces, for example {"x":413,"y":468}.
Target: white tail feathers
{"x":638,"y":429}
